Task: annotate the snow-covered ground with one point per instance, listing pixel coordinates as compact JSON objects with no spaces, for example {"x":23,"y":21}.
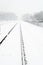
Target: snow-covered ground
{"x":10,"y":49}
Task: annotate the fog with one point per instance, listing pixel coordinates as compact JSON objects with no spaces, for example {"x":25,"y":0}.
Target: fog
{"x":10,"y":49}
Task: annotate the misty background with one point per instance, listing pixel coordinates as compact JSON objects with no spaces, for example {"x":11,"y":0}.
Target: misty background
{"x":10,"y":50}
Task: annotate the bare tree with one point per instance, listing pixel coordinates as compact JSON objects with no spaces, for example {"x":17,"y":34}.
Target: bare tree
{"x":7,"y":16}
{"x":39,"y":17}
{"x":36,"y":19}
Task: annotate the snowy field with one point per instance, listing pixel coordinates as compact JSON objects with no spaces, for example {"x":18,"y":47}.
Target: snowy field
{"x":10,"y":49}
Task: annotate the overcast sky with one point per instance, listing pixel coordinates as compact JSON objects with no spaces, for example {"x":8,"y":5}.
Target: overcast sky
{"x":21,"y":6}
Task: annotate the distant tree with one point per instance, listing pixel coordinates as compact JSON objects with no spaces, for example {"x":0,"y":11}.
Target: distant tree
{"x":39,"y":16}
{"x":27,"y":18}
{"x":7,"y":16}
{"x":36,"y":19}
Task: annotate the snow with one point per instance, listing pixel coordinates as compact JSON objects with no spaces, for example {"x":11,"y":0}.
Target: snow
{"x":10,"y":49}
